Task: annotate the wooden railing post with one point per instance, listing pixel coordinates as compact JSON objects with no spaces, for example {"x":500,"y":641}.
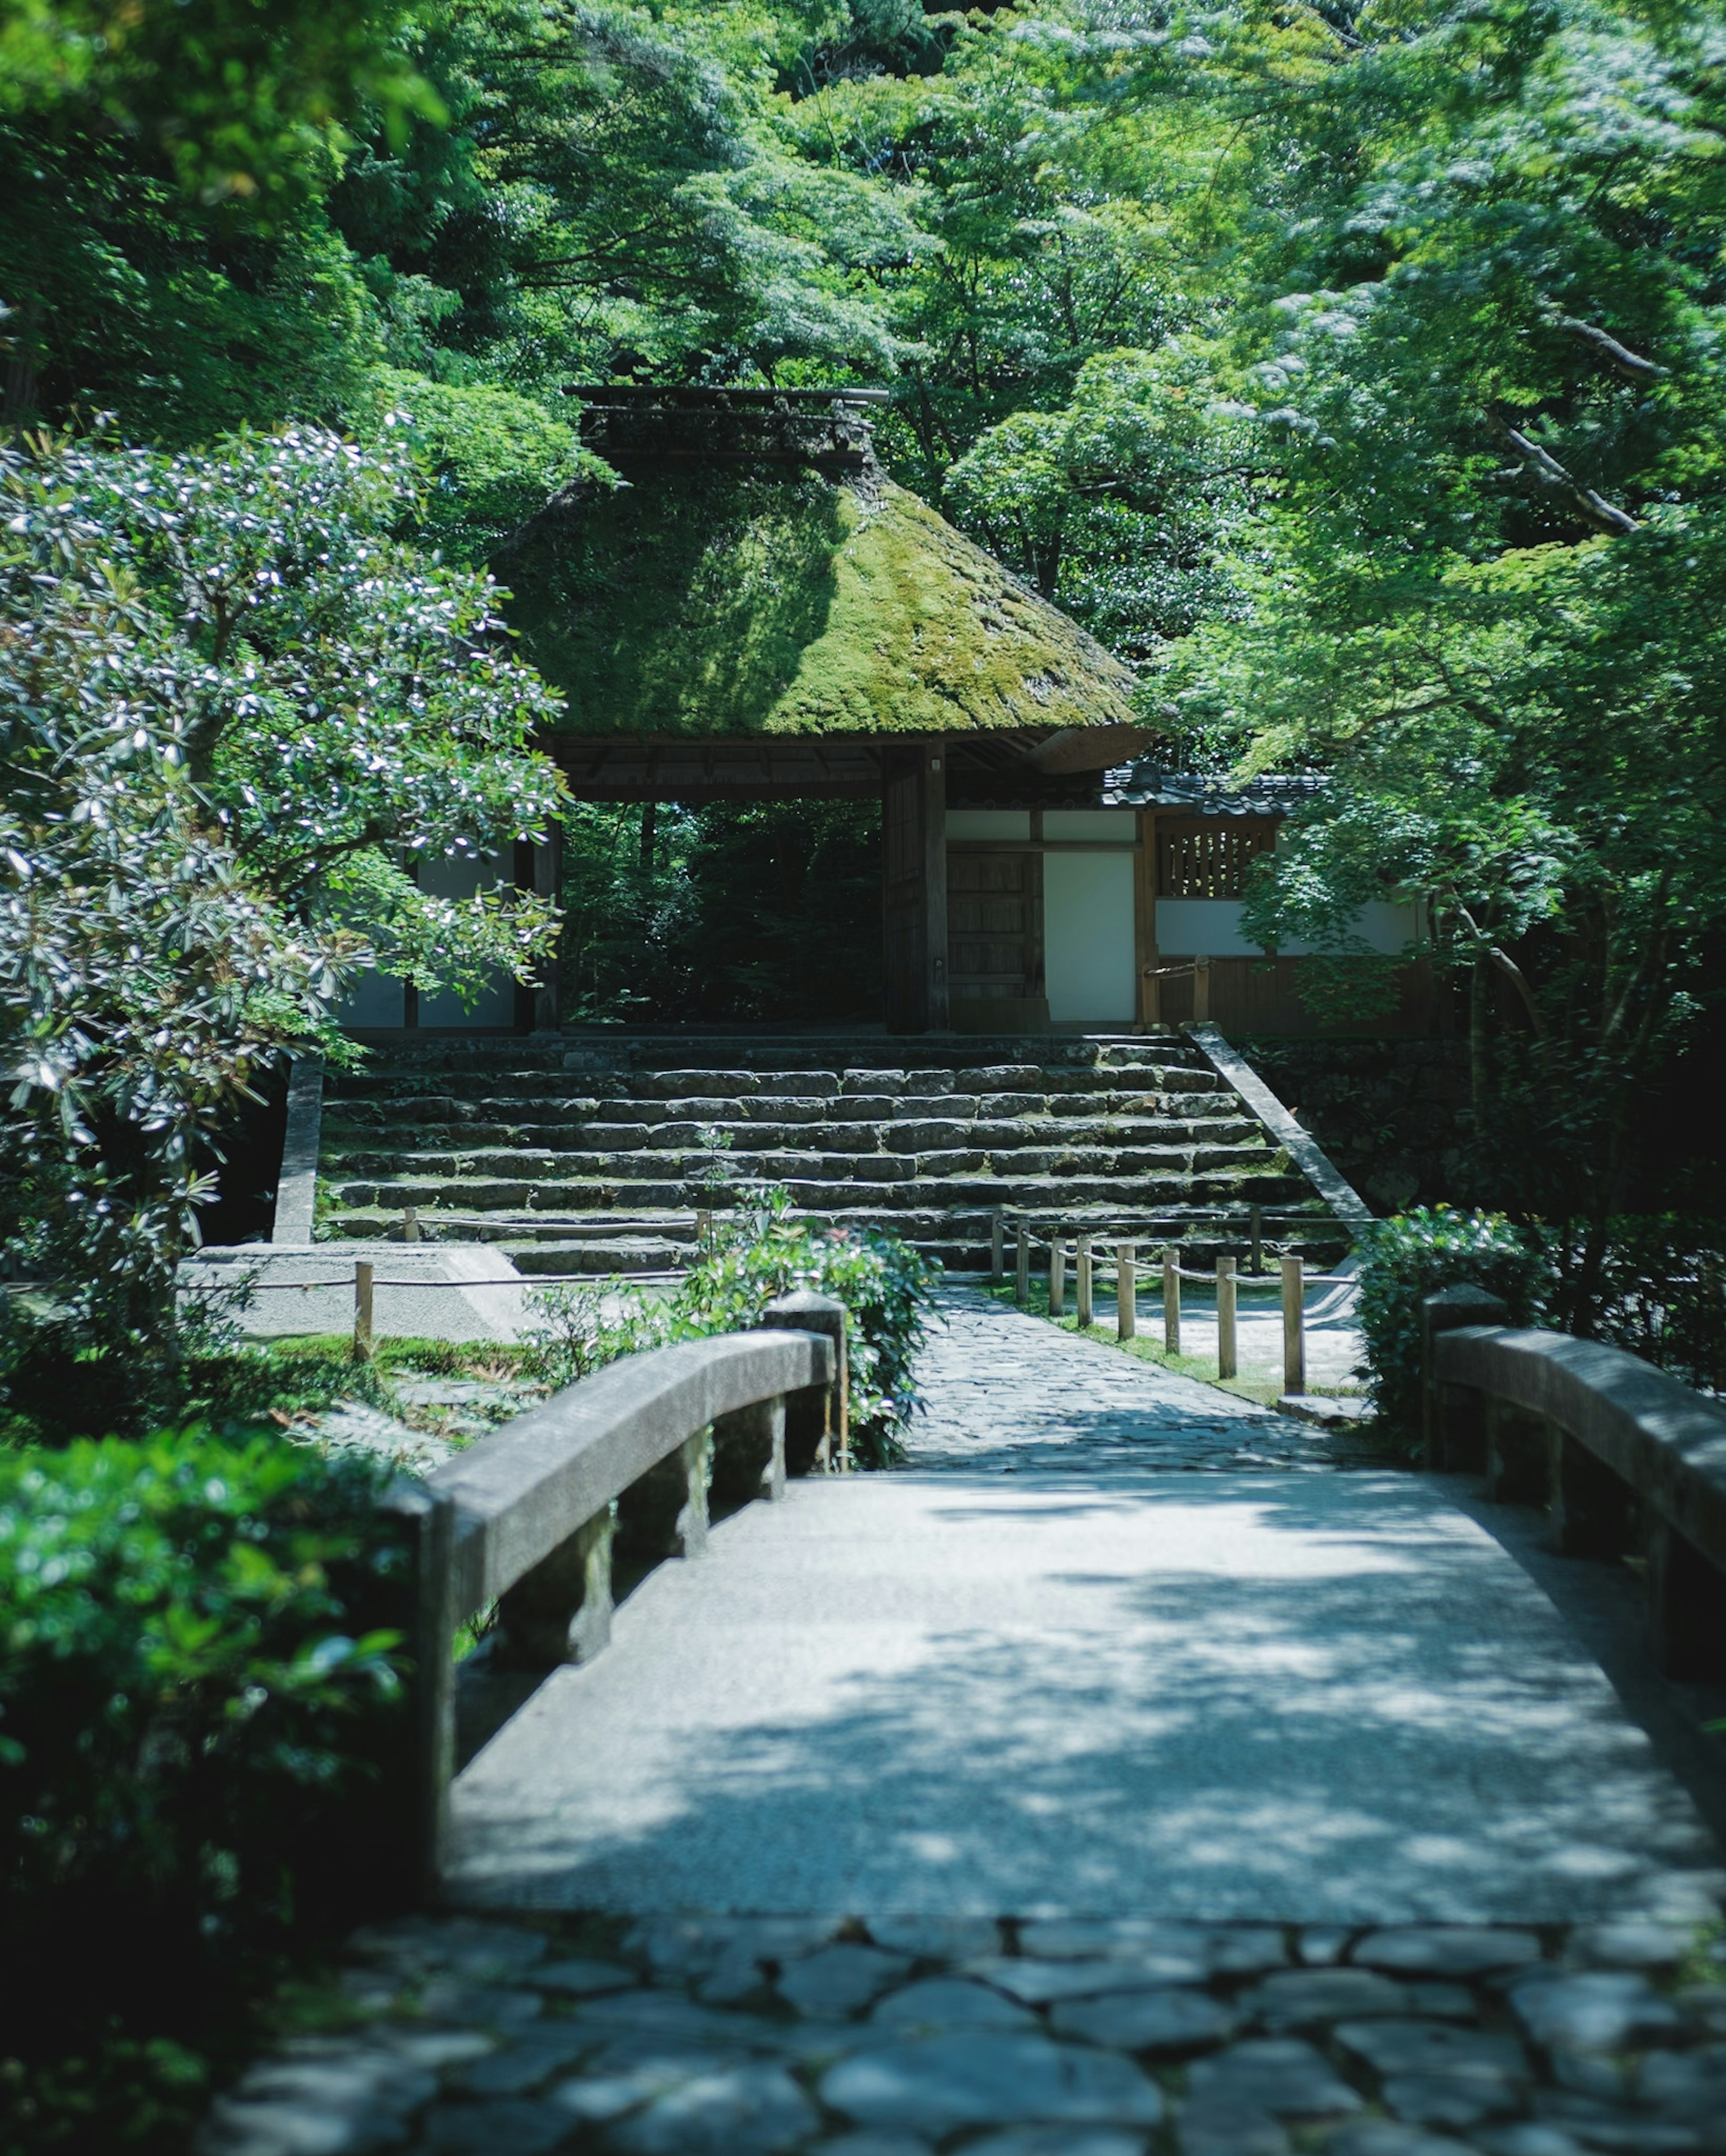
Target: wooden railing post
{"x":1057,"y":1277}
{"x":1256,"y":1239}
{"x":1082,"y":1266}
{"x":363,"y":1310}
{"x":1021,"y":1264}
{"x":1294,"y":1327}
{"x":1126,"y":1293}
{"x":995,"y":1252}
{"x":1171,"y":1300}
{"x":1225,"y":1359}
{"x":1201,"y":991}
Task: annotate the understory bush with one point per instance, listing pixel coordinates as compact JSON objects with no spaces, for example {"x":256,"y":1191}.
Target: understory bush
{"x":1651,"y":1285}
{"x":755,"y":1255}
{"x":202,"y":1725}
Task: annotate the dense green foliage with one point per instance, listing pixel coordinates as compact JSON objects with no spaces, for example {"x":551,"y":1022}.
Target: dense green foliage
{"x":1653,"y":1286}
{"x":748,"y":912}
{"x":1354,"y":370}
{"x":756,"y":1253}
{"x":198,"y":1680}
{"x":234,"y":702}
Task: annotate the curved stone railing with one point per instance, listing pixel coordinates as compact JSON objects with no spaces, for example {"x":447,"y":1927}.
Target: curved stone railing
{"x":1626,"y":1459}
{"x":621,"y":1467}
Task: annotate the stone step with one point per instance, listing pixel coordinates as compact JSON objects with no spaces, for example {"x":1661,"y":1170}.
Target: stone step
{"x":960,"y":1241}
{"x":346,"y":1140}
{"x":558,"y":1169}
{"x":679,"y":1150}
{"x":720,"y":1093}
{"x":943,"y":1193}
{"x":389,"y":1110}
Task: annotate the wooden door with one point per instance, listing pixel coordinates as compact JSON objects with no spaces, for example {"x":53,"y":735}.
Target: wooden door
{"x":994,"y":924}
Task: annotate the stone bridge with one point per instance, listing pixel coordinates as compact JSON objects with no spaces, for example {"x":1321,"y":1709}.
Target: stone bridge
{"x":1138,"y":1770}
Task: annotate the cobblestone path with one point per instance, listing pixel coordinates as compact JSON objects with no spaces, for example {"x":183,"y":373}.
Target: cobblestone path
{"x":1009,"y":1393}
{"x":1134,"y":2038}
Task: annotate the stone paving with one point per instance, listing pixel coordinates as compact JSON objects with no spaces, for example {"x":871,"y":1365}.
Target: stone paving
{"x":1126,"y":2038}
{"x":1010,"y":1394}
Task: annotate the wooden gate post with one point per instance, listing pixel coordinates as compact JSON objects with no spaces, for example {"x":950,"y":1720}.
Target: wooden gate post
{"x":1225,"y":1359}
{"x":1294,"y":1333}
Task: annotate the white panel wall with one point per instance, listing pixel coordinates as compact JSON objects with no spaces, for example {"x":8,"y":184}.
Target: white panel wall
{"x":989,"y":824}
{"x":1101,"y":827}
{"x":377,"y":999}
{"x":460,"y":878}
{"x":1088,"y":960}
{"x":1210,"y":927}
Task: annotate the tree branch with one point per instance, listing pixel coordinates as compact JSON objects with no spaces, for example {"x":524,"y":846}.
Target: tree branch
{"x":1616,"y":355}
{"x":1587,"y":504}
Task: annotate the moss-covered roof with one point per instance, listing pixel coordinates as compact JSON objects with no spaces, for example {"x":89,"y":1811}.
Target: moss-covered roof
{"x":731,"y":603}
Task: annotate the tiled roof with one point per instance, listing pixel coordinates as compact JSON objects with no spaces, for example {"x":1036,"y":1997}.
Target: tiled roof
{"x":1144,"y":785}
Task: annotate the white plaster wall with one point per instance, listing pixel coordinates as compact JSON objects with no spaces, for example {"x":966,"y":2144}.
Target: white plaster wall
{"x":1088,"y":960}
{"x":989,"y":824}
{"x":1118,"y":826}
{"x":460,"y":878}
{"x":1210,"y":927}
{"x":377,"y":999}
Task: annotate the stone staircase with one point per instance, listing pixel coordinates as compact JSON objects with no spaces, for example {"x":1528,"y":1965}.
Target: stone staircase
{"x":594,"y":1156}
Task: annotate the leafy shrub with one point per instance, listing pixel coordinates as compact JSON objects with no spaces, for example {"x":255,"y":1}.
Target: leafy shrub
{"x":1411,"y":1257}
{"x":1654,"y":1286}
{"x":757,"y":1255}
{"x":201,"y":1713}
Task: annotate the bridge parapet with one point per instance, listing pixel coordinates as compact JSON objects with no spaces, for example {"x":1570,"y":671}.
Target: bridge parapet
{"x":620,"y":1466}
{"x":1626,"y":1458}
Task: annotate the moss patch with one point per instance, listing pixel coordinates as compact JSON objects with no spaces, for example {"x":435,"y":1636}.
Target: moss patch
{"x":736,"y":603}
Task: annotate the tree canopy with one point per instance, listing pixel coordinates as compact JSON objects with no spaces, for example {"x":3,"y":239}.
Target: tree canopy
{"x":1352,"y":370}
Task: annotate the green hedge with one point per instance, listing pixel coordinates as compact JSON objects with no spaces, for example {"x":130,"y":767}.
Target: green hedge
{"x":1651,"y":1285}
{"x":203,"y":1727}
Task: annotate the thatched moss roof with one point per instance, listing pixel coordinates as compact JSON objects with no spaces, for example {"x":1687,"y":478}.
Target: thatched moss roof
{"x":731,"y":604}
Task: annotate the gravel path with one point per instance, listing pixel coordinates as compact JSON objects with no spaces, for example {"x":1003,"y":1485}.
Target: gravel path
{"x":1010,"y":1394}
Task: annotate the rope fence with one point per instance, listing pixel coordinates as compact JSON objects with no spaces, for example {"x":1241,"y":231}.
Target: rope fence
{"x":1291,"y":1280}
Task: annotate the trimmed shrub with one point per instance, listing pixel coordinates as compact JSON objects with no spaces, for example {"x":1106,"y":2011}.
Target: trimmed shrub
{"x":1408,"y":1258}
{"x":202,"y":1715}
{"x":757,"y":1255}
{"x":1655,"y":1286}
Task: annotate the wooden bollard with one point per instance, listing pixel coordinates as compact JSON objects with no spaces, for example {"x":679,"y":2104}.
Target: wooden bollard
{"x":1255,"y":1232}
{"x":1226,"y":1358}
{"x":1126,"y":1293}
{"x":995,"y":1245}
{"x":363,"y":1310}
{"x":1171,"y":1300}
{"x":1021,"y":1263}
{"x":1057,"y":1277}
{"x":1081,"y":1267}
{"x":410,"y":1223}
{"x":1294,"y":1336}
